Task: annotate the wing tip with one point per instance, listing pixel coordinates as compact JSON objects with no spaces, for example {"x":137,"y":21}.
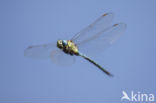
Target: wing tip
{"x":115,"y":24}
{"x":123,"y":25}
{"x":105,"y":14}
{"x":119,"y":24}
{"x":27,"y":51}
{"x":108,"y":13}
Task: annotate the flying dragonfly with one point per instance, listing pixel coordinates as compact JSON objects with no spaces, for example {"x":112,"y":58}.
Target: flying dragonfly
{"x":92,"y":39}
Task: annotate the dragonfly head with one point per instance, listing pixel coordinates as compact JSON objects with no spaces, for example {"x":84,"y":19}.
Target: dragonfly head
{"x":61,"y":43}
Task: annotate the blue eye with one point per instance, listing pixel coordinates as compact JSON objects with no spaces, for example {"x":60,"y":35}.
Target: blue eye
{"x":64,"y":42}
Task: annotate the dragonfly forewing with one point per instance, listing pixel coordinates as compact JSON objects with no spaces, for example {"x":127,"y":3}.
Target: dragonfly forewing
{"x":40,"y":51}
{"x":97,"y":26}
{"x":49,"y":51}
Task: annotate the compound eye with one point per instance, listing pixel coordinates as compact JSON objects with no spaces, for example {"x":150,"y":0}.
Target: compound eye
{"x":64,"y":42}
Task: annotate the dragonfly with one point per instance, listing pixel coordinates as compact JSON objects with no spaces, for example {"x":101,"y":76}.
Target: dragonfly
{"x":92,"y":39}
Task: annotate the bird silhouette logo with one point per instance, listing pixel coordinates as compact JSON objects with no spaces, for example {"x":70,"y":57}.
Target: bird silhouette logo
{"x":125,"y":96}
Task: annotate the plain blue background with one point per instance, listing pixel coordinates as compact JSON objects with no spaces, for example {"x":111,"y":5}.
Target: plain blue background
{"x":131,"y":59}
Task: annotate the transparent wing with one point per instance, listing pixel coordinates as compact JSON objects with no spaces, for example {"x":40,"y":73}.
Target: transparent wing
{"x":102,"y":40}
{"x":40,"y":51}
{"x":49,"y":51}
{"x":97,"y":26}
{"x":60,"y":58}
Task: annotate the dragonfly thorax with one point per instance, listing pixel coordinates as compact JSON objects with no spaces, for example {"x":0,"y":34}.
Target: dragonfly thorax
{"x":68,"y":47}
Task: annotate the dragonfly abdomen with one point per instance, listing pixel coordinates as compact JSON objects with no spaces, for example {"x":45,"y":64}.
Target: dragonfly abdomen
{"x":97,"y":65}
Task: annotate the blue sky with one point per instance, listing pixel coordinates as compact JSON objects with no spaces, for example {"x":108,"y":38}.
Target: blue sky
{"x":131,"y":59}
